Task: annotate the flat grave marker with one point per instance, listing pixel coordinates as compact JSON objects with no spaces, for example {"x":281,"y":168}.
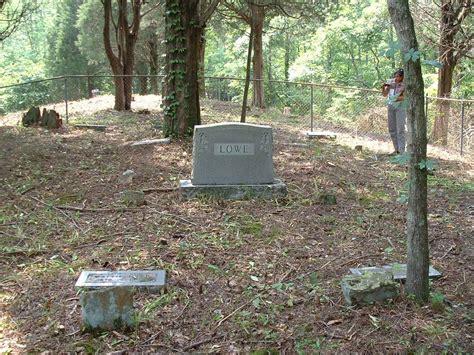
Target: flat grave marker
{"x":399,"y":271}
{"x":153,"y":279}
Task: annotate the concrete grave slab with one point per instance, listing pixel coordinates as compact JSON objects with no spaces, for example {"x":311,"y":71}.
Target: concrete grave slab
{"x":399,"y":271}
{"x":151,"y":142}
{"x":152,"y":280}
{"x":321,"y":135}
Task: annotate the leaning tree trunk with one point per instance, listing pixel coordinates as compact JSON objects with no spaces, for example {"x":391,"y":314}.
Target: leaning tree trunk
{"x":417,"y":225}
{"x":258,"y":17}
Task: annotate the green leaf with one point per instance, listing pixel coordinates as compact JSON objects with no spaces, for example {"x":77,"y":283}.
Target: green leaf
{"x":402,"y":199}
{"x":254,"y":278}
{"x":401,"y":159}
{"x":214,"y":268}
{"x":426,"y":165}
{"x":256,"y":303}
{"x":412,"y":55}
{"x":433,"y":63}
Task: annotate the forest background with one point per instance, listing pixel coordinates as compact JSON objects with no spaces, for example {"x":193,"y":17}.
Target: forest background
{"x":348,"y":43}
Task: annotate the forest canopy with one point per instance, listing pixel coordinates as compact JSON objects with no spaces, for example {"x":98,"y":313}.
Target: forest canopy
{"x":351,"y":44}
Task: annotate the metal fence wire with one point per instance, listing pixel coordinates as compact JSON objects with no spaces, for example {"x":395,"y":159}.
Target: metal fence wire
{"x":306,"y":106}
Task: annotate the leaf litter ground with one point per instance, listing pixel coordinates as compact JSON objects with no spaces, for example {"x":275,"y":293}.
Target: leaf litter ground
{"x":244,"y":276}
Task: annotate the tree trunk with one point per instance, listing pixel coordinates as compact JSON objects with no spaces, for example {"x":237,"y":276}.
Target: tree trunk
{"x":287,"y":57}
{"x":123,"y":62}
{"x":247,"y":77}
{"x":202,"y":56}
{"x":119,"y":94}
{"x":445,"y":80}
{"x":258,"y":18}
{"x":141,"y":70}
{"x":417,"y":225}
{"x":445,"y":74}
{"x":153,"y":48}
{"x":181,"y":101}
{"x":90,"y":86}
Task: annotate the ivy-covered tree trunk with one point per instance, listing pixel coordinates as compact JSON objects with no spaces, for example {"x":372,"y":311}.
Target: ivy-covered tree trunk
{"x":183,"y":33}
{"x":184,"y":26}
{"x":417,"y":224}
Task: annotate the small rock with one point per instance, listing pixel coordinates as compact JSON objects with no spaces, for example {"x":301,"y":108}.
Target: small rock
{"x":127,"y":177}
{"x":133,"y":198}
{"x":358,"y":148}
{"x":163,"y":241}
{"x":327,"y":199}
{"x":369,"y":288}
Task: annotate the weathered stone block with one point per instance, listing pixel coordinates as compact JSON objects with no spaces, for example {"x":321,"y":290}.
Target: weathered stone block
{"x":369,"y":288}
{"x":106,"y":309}
{"x":133,"y":198}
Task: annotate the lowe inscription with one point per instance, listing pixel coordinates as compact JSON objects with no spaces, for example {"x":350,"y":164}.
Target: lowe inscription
{"x":234,"y":149}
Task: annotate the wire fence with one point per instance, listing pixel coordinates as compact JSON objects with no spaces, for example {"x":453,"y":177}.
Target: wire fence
{"x":306,"y":106}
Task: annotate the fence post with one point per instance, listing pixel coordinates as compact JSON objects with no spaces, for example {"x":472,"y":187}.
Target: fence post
{"x":312,"y":101}
{"x":219,"y":89}
{"x":66,"y":99}
{"x":462,"y":126}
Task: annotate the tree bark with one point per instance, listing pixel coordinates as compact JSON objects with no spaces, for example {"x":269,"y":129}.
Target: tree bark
{"x":153,"y":49}
{"x":445,"y":74}
{"x":247,"y":77}
{"x":122,"y":62}
{"x":417,"y":225}
{"x":184,"y":31}
{"x":258,"y":18}
{"x":450,"y":52}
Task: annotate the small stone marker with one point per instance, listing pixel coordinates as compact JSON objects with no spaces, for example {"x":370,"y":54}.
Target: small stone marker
{"x":151,"y":141}
{"x":107,"y":300}
{"x":106,"y":309}
{"x":399,"y":271}
{"x":321,"y":135}
{"x":233,"y":161}
{"x":95,"y":127}
{"x":359,"y":290}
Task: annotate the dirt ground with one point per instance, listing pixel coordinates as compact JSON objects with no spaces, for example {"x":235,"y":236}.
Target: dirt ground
{"x":243,"y":276}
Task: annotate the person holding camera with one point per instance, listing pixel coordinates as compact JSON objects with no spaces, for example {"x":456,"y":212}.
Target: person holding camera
{"x":397,"y":114}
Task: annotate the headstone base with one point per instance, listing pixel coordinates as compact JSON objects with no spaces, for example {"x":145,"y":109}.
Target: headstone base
{"x":106,"y":309}
{"x":233,"y":192}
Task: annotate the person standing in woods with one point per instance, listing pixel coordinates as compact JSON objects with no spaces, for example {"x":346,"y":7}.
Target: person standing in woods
{"x":397,"y":114}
